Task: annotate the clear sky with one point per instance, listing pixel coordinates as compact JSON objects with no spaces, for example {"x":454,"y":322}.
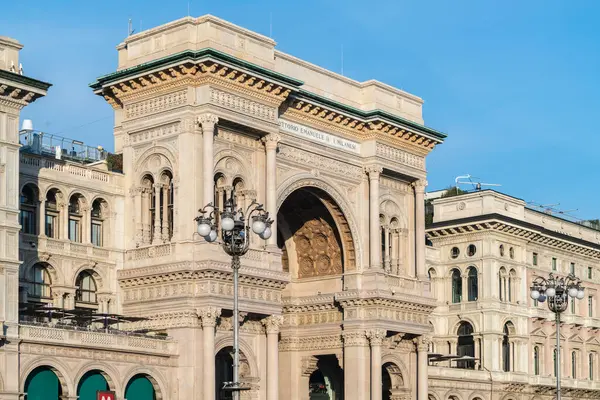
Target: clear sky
{"x":513,"y":83}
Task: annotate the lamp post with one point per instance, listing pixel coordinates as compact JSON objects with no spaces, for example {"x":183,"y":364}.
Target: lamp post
{"x":557,"y":291}
{"x":235,"y":225}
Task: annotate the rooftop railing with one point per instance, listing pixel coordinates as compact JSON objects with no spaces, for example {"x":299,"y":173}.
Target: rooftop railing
{"x":59,"y":147}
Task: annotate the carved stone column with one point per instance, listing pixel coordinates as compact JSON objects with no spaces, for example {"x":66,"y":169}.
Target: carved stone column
{"x":63,"y":216}
{"x":422,"y":343}
{"x":208,"y":122}
{"x":137,"y":201}
{"x":387,"y":265}
{"x":271,"y":141}
{"x":356,"y":377}
{"x":42,"y":216}
{"x":157,"y":230}
{"x":272,"y":325}
{"x":420,"y":227}
{"x":165,"y":212}
{"x":376,"y":337}
{"x":86,"y":221}
{"x":58,"y":298}
{"x":146,"y":197}
{"x":374,"y":171}
{"x":208,"y":316}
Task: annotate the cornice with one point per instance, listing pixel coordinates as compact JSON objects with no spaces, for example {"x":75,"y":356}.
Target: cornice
{"x":519,"y":229}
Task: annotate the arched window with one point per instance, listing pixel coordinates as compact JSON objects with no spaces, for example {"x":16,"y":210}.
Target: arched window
{"x":39,"y":282}
{"x":574,"y":365}
{"x":28,"y":209}
{"x":466,"y":345}
{"x":147,"y":207}
{"x":51,"y":225}
{"x":591,"y":366}
{"x":75,"y":218}
{"x":505,"y":350}
{"x":536,"y":360}
{"x":456,"y":286}
{"x":472,"y":287}
{"x":501,"y":250}
{"x":86,"y":288}
{"x":554,"y":361}
{"x":97,"y":228}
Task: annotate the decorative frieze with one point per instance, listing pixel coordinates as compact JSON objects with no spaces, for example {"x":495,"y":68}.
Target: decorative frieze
{"x":155,"y":133}
{"x":238,"y":138}
{"x":156,"y":104}
{"x":355,"y":338}
{"x":325,"y":164}
{"x":323,"y":342}
{"x":400,"y":156}
{"x":242,"y":105}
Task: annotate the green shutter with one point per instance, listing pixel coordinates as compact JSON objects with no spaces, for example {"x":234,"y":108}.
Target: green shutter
{"x":91,"y":383}
{"x":139,"y":388}
{"x":42,"y":384}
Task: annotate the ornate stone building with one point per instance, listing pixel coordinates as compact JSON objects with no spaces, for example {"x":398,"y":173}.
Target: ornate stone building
{"x":485,"y":249}
{"x":336,"y":305}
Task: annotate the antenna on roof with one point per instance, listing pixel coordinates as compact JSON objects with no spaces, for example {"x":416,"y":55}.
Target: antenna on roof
{"x":342,"y":59}
{"x":130,"y":29}
{"x":468,"y":180}
{"x":552,"y":209}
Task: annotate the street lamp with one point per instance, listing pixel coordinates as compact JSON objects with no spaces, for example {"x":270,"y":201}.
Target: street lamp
{"x":557,"y":291}
{"x":235,"y":226}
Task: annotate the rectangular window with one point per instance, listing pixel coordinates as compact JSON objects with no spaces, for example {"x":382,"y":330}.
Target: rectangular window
{"x":96,"y":234}
{"x":572,"y":270}
{"x":535,"y":259}
{"x":51,"y":226}
{"x":590,"y":306}
{"x":553,"y":263}
{"x":28,"y":221}
{"x":572,"y":306}
{"x":591,"y":366}
{"x":590,"y":273}
{"x":535,"y":303}
{"x":74,"y":234}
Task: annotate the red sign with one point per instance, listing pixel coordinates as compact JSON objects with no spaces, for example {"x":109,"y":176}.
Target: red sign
{"x":106,"y":396}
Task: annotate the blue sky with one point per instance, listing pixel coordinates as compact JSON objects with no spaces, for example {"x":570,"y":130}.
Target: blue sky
{"x":514,"y":84}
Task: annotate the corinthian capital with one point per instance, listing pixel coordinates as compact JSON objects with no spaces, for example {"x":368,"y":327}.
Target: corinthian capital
{"x":272,"y":323}
{"x":373,"y":171}
{"x":354,"y":338}
{"x":423,"y":342}
{"x":208,"y":120}
{"x":420,"y":185}
{"x":209,"y":315}
{"x":376,"y":336}
{"x":271,"y":139}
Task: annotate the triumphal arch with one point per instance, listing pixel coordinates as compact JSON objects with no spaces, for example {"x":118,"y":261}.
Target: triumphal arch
{"x":336,"y":304}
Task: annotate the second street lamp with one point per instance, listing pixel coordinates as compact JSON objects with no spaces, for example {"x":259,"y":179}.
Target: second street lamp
{"x":557,"y":291}
{"x":235,"y":225}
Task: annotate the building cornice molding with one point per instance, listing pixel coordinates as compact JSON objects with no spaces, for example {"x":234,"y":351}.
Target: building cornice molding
{"x":516,"y":228}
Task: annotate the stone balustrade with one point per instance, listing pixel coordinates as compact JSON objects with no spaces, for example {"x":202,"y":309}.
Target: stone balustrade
{"x":29,"y":161}
{"x":66,"y":248}
{"x":96,"y":339}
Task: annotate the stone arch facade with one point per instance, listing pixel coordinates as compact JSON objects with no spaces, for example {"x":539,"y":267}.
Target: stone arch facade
{"x":155,"y":160}
{"x":232,"y":165}
{"x":245,"y":348}
{"x":56,"y":274}
{"x":455,"y":324}
{"x":61,"y":371}
{"x":106,"y":370}
{"x":476,"y":396}
{"x":157,"y":379}
{"x":99,"y":273}
{"x":307,"y":181}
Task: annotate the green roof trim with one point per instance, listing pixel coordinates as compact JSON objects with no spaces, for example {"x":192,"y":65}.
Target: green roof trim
{"x":193,"y":55}
{"x":11,"y":76}
{"x":372,"y":114}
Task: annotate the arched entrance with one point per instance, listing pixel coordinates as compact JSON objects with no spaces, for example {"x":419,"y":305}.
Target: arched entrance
{"x":42,"y":384}
{"x":392,"y":382}
{"x":314,"y":235}
{"x":140,"y":387}
{"x":326,"y":382}
{"x":90,"y":383}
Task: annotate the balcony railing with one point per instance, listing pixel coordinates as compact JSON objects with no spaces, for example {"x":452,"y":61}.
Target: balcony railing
{"x":60,"y":147}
